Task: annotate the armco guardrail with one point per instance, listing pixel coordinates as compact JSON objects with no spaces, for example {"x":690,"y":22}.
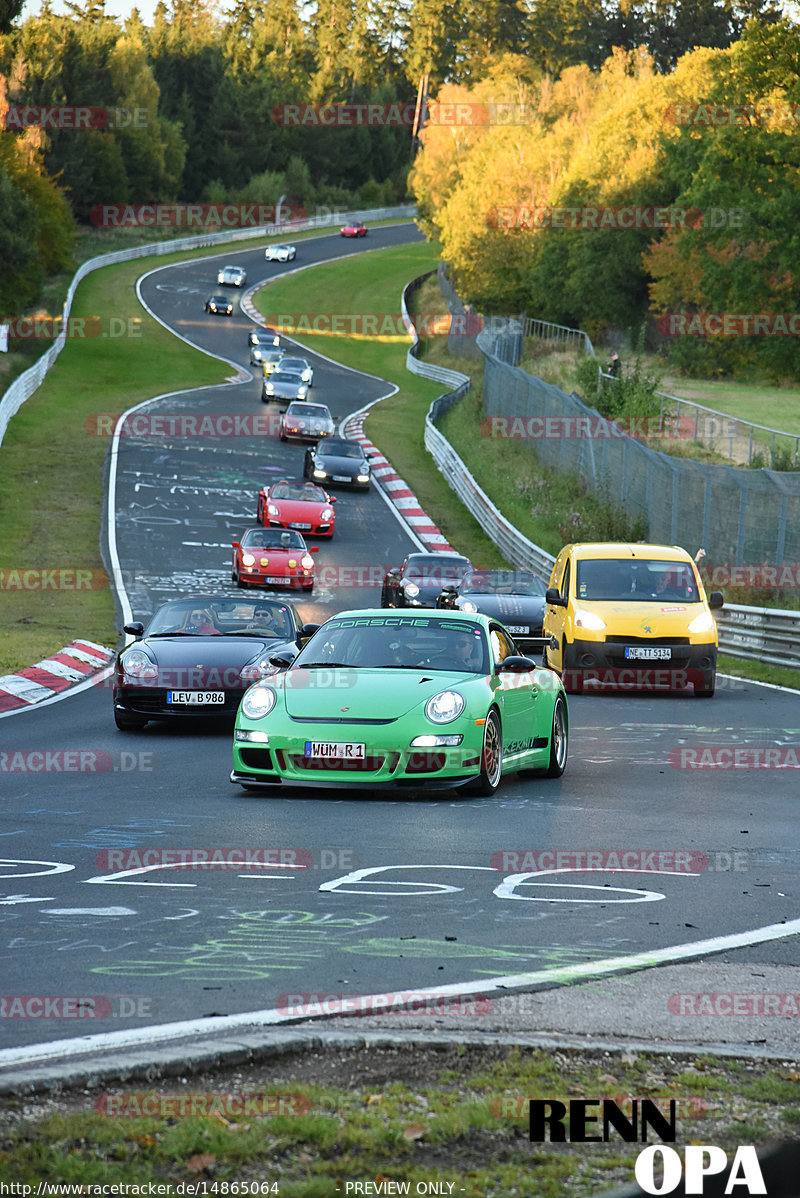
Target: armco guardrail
{"x":770,"y":635}
{"x":24,"y":386}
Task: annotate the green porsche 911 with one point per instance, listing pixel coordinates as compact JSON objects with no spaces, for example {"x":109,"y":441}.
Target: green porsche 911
{"x":402,"y":699}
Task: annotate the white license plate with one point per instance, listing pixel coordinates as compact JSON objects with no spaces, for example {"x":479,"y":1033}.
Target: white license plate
{"x":297,"y":524}
{"x":339,"y":749}
{"x":340,"y":478}
{"x":647,"y":653}
{"x":518,"y":628}
{"x":276,"y":578}
{"x":195,"y":698}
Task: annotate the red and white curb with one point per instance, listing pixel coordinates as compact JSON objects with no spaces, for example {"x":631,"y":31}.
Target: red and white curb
{"x":397,"y":489}
{"x":46,"y":678}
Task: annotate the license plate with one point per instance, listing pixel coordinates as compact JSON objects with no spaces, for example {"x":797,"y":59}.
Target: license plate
{"x":276,"y":578}
{"x":195,"y":698}
{"x":298,"y":524}
{"x":340,"y":478}
{"x":340,"y":749}
{"x":647,"y":653}
{"x":518,"y":628}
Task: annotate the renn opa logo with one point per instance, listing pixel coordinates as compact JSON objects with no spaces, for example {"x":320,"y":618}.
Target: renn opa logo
{"x":579,"y":1122}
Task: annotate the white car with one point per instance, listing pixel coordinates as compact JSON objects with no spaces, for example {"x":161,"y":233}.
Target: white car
{"x":233,"y":276}
{"x":299,"y":366}
{"x":280,"y":253}
{"x":306,"y":422}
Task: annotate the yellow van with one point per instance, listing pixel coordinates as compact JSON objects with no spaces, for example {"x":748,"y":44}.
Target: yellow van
{"x":632,"y":616}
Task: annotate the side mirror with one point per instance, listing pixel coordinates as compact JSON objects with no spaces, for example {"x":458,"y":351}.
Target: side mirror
{"x":314,"y":549}
{"x":449,"y":590}
{"x":235,"y":544}
{"x":309,"y":630}
{"x":135,"y":628}
{"x":716,"y":599}
{"x":515,"y":665}
{"x":331,"y":499}
{"x":554,"y":597}
{"x":283,"y":658}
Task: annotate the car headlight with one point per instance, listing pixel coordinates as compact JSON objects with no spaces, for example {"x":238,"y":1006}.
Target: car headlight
{"x":588,"y":620}
{"x":302,"y":392}
{"x":326,"y":513}
{"x":363,"y":478}
{"x":258,"y":702}
{"x":138,"y":665}
{"x":270,"y":388}
{"x":252,"y":735}
{"x":445,"y":707}
{"x":702,"y":623}
{"x":320,"y":473}
{"x":468,"y":605}
{"x":272,"y":510}
{"x":411,"y":589}
{"x":432,"y":740}
{"x":306,"y":561}
{"x":248,"y":559}
{"x":256,"y":670}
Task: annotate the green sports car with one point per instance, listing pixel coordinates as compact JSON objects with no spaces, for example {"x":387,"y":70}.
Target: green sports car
{"x":409,"y":699}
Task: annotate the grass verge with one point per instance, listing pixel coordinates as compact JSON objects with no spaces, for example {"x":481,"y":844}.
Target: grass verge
{"x":404,"y":1115}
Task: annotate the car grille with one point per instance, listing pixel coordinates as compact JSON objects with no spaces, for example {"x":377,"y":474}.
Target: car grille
{"x":156,"y":704}
{"x":329,"y":719}
{"x":425,"y":763}
{"x":368,"y":765}
{"x":647,"y":640}
{"x":257,"y":759}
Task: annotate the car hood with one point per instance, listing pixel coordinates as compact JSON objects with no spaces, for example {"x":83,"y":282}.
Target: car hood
{"x":287,"y":389}
{"x":296,"y":509}
{"x":275,"y":556}
{"x":366,"y":694}
{"x":655,"y":617}
{"x":340,"y":465}
{"x":205,"y":662}
{"x":508,"y":609}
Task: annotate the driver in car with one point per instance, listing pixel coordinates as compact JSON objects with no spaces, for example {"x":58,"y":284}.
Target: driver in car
{"x":467,"y":651}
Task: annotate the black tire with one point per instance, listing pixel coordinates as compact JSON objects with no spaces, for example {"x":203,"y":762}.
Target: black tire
{"x":282,"y":436}
{"x":491,"y":757}
{"x":559,"y":740}
{"x":237,"y":578}
{"x":129,"y":723}
{"x":706,"y":691}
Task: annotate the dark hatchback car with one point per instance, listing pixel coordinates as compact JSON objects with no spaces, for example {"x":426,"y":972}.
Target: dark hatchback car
{"x":514,"y":597}
{"x":219,"y":305}
{"x":420,"y":578}
{"x":338,"y":461}
{"x":198,"y":656}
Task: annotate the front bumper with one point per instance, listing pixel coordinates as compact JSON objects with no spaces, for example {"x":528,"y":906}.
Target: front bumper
{"x":259,"y":578}
{"x":152,"y":702}
{"x":605,"y":662}
{"x":282,"y":761}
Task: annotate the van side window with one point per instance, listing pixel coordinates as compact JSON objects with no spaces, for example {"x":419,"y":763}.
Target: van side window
{"x":565,"y":581}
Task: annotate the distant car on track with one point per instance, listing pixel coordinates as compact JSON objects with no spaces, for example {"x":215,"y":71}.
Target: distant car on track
{"x":232,"y":276}
{"x":158,"y":675}
{"x":435,"y":700}
{"x":354,"y":230}
{"x":281,"y":384}
{"x":262,"y":341}
{"x":306,"y":422}
{"x":303,"y":506}
{"x":273,"y":557}
{"x":514,"y":597}
{"x":219,"y":305}
{"x":338,"y":461}
{"x":280,"y":253}
{"x":299,"y":366}
{"x":271,"y":361}
{"x":420,"y":577}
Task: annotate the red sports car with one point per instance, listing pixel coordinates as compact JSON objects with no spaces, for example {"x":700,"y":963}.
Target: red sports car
{"x":273,"y":557}
{"x":358,"y":230}
{"x":303,"y":506}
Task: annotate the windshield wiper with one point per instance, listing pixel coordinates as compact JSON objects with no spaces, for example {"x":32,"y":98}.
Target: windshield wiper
{"x":309,"y":665}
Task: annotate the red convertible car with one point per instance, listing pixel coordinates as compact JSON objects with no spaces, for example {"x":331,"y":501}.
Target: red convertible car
{"x":358,"y":230}
{"x":273,"y":557}
{"x":303,"y":506}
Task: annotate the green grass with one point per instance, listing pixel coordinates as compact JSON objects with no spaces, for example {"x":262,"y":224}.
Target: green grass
{"x":405,"y":1115}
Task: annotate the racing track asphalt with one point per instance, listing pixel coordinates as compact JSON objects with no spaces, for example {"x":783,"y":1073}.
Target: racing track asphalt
{"x":185,"y":945}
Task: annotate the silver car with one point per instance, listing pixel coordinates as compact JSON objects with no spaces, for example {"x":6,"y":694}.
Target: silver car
{"x":282,"y":384}
{"x":262,"y":342}
{"x":232,"y":276}
{"x":280,"y":253}
{"x":306,"y":422}
{"x":299,"y":366}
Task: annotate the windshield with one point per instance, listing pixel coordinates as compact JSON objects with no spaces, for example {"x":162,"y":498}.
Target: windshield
{"x":502,"y":582}
{"x":309,"y":409}
{"x":343,"y":449}
{"x":305,"y":491}
{"x":283,"y":376}
{"x":634,"y":579}
{"x":203,"y":617}
{"x":398,"y":642}
{"x":296,"y":364}
{"x":434,"y":569}
{"x":272,"y":538}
